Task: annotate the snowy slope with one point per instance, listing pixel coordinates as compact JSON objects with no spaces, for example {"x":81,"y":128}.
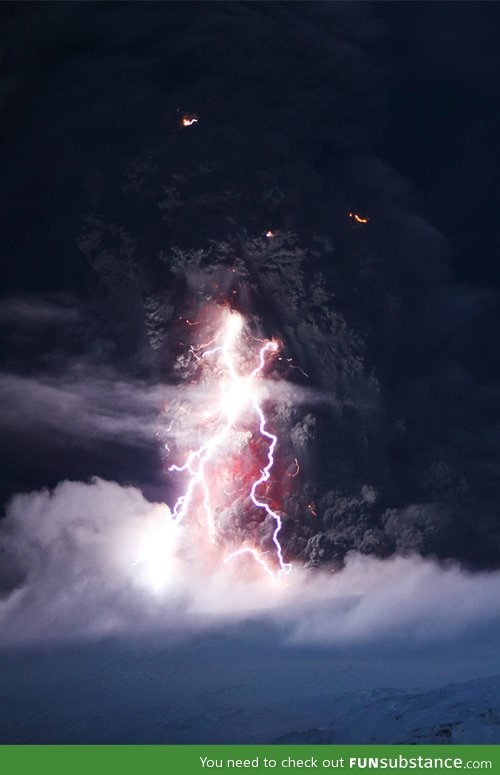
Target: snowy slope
{"x":456,"y":713}
{"x":247,"y":685}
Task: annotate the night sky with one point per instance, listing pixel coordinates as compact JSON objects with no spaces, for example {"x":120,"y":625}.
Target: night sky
{"x":386,"y":109}
{"x":339,"y":189}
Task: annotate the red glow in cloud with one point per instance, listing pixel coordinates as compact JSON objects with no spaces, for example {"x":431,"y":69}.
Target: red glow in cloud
{"x":234,"y":404}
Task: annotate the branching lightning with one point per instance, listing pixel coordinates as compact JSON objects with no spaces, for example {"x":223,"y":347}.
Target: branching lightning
{"x":238,"y":403}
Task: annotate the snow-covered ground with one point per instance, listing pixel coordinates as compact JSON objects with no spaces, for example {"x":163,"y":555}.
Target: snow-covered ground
{"x":457,"y":713}
{"x":248,"y":682}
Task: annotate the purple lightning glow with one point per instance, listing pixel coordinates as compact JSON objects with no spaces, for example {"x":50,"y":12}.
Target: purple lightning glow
{"x":237,"y":396}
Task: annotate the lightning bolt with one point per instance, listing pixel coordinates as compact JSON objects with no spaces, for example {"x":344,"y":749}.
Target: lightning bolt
{"x":238,"y":396}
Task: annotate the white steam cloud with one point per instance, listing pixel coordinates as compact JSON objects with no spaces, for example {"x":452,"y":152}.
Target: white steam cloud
{"x":89,"y":560}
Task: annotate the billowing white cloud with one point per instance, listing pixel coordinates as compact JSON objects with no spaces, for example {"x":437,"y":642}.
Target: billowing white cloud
{"x":398,"y":598}
{"x":79,"y":561}
{"x":89,"y":560}
{"x":80,"y":406}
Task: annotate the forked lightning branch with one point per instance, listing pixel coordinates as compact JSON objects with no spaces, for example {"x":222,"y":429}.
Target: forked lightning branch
{"x":235,"y":401}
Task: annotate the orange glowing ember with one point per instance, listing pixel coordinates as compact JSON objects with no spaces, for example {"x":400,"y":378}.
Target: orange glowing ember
{"x":269,"y":234}
{"x":358,"y":218}
{"x":188,"y":119}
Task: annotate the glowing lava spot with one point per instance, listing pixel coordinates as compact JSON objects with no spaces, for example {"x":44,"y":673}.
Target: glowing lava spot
{"x":188,"y":119}
{"x":358,"y":218}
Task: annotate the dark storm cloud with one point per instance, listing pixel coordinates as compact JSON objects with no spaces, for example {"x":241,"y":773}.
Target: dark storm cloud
{"x":163,"y":215}
{"x":443,"y":100}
